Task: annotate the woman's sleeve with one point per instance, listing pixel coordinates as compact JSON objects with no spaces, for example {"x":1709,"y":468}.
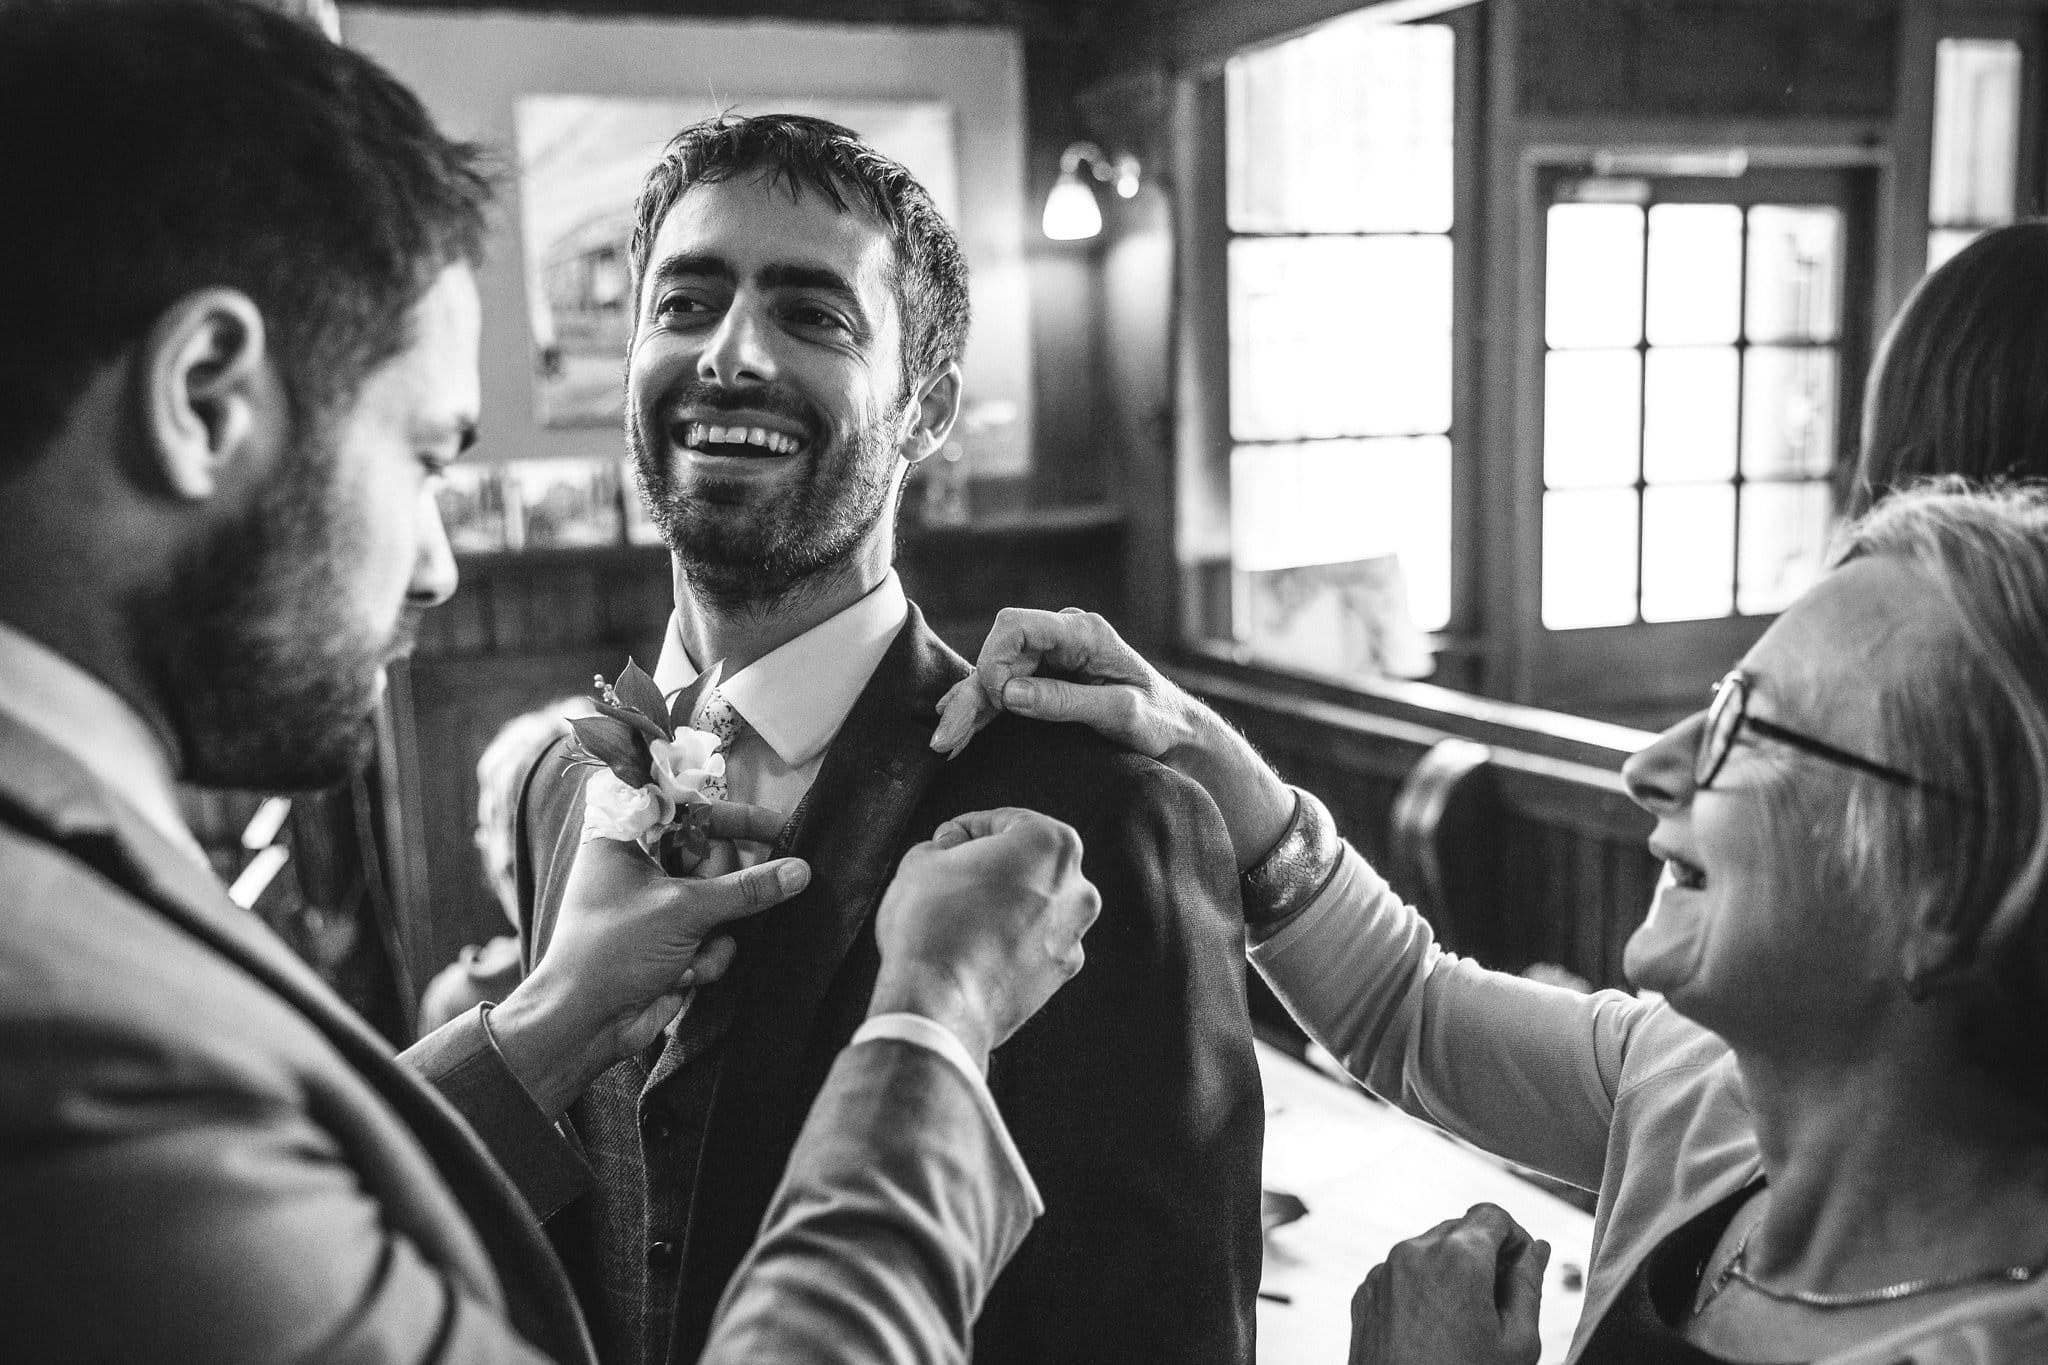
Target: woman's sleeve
{"x":1525,"y":1070}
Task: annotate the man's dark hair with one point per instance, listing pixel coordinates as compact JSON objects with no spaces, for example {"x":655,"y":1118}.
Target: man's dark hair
{"x":811,"y":154}
{"x":153,"y":148}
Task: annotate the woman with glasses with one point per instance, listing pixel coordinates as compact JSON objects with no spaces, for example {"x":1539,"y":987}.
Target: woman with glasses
{"x":1827,"y":1139}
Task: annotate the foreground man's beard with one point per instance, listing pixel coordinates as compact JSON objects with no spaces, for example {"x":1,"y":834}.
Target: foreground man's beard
{"x":266,"y":679}
{"x":742,"y":550}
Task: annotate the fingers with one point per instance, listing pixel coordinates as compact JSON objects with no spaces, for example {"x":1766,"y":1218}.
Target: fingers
{"x":984,"y":824}
{"x":1496,"y":1222}
{"x":1115,"y":709}
{"x":720,"y":857}
{"x":1070,"y":641}
{"x":736,"y":895}
{"x":1518,"y":1292}
{"x":963,"y":712}
{"x":1110,"y":696}
{"x":738,"y":820}
{"x":711,"y":962}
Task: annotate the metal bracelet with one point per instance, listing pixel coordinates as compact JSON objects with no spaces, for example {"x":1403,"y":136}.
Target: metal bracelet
{"x":1295,"y":870}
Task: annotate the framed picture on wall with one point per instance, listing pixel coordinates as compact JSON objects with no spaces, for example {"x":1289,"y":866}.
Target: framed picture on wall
{"x":569,"y":501}
{"x":581,"y":161}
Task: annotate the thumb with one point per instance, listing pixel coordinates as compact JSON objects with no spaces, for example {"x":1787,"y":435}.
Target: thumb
{"x":715,"y":901}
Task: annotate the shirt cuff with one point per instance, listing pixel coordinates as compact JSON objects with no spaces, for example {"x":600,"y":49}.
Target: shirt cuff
{"x":936,"y":1037}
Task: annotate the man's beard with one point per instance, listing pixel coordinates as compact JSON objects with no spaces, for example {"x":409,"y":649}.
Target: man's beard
{"x":743,"y":552}
{"x":267,"y":681}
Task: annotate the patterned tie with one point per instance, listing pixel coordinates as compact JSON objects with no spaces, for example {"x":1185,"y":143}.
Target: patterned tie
{"x":718,"y":717}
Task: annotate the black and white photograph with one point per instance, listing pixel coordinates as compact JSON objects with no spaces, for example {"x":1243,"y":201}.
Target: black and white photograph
{"x":1030,"y":682}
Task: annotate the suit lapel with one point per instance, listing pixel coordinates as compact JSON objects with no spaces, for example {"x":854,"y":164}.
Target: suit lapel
{"x":49,"y":796}
{"x":850,"y":830}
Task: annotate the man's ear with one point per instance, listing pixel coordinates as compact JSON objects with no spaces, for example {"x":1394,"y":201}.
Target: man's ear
{"x":932,"y":415}
{"x":207,"y":387}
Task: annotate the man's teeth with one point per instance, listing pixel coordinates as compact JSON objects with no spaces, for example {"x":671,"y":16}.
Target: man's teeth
{"x":1684,"y":874}
{"x":697,"y":435}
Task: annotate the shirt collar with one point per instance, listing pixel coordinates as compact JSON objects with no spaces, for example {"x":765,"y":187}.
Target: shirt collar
{"x":798,"y":695}
{"x":89,"y":721}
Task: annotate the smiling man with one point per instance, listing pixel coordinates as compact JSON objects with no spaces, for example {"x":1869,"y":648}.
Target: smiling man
{"x":236,"y":267}
{"x":801,"y":312}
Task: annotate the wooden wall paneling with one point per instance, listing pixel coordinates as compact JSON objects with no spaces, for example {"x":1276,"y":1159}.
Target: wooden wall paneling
{"x":1795,"y":58}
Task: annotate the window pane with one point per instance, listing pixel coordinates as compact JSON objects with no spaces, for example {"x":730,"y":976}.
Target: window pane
{"x":1688,"y":552}
{"x":1695,"y":273}
{"x":1795,"y":261}
{"x":1345,"y":129}
{"x":1589,"y":558}
{"x":1592,"y":417}
{"x":1347,"y":336}
{"x":1326,"y":502}
{"x":1976,"y":131}
{"x":1785,"y":529}
{"x":1788,"y":412}
{"x":1943,"y":243}
{"x":1593,"y":275}
{"x":1689,"y":417}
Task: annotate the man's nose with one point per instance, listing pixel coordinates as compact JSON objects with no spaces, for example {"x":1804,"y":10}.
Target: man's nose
{"x":434,"y":575}
{"x":738,"y":351}
{"x":1659,"y":775}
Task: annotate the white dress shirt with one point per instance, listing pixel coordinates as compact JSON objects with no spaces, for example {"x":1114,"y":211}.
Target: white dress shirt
{"x":81,"y":715}
{"x":794,"y":698}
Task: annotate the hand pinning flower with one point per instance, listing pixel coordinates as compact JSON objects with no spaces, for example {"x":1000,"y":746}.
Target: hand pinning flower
{"x":653,"y":769}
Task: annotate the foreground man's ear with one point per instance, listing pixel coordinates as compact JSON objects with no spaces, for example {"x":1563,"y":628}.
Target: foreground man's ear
{"x":206,"y":382}
{"x":933,"y":414}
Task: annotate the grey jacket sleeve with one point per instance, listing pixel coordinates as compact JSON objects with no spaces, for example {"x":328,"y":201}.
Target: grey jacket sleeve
{"x":900,"y":1205}
{"x":460,"y":1061}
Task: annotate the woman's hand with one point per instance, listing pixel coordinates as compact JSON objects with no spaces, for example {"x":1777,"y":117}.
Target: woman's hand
{"x":1114,"y":691}
{"x":1464,"y":1293}
{"x":1072,"y":666}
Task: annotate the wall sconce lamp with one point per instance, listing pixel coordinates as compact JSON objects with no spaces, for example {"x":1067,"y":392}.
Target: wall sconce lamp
{"x":1071,"y":213}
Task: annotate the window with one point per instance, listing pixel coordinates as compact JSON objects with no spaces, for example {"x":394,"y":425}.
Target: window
{"x":1973,"y":176}
{"x":1691,"y":375}
{"x":1581,"y":470}
{"x":1338,"y":261}
{"x":1698,"y":352}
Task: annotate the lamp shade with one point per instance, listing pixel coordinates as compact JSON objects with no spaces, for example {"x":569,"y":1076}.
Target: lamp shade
{"x":1071,"y":213}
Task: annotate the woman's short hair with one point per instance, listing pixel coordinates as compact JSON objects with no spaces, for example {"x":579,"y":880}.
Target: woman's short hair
{"x":1958,"y":383}
{"x":1972,"y":719}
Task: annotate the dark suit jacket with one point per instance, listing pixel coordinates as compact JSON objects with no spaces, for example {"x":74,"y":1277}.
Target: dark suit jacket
{"x":1134,"y":1095}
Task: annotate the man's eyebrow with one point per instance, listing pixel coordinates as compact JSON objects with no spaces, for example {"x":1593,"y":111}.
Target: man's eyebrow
{"x":809,"y":277}
{"x":692,"y":263}
{"x":779,"y":275}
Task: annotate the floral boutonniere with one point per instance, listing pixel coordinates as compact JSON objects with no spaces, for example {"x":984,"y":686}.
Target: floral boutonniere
{"x":651,"y":768}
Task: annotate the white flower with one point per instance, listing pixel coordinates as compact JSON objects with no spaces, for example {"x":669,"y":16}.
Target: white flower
{"x":613,"y":810}
{"x":682,"y":765}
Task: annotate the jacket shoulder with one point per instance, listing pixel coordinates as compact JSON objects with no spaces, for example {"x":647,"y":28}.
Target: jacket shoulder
{"x":1069,"y":772}
{"x":97,"y":986}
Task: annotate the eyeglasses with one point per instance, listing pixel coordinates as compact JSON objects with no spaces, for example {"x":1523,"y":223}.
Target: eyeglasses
{"x":1729,"y":712}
